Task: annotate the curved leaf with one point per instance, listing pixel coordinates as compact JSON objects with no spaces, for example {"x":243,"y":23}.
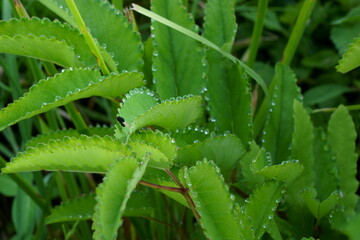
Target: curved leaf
{"x":225,"y":151}
{"x":261,"y":206}
{"x":53,"y":30}
{"x":351,"y":57}
{"x":178,"y":67}
{"x":59,"y":134}
{"x":46,"y":49}
{"x":286,"y":172}
{"x":84,"y":154}
{"x":82,"y":208}
{"x":113,"y":195}
{"x":190,"y":135}
{"x":118,"y":37}
{"x":75,"y":84}
{"x":212,"y":201}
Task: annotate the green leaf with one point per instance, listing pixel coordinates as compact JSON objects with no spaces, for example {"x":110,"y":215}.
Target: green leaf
{"x":319,"y":210}
{"x":261,"y":206}
{"x":225,"y":151}
{"x":342,"y":35}
{"x":324,"y":92}
{"x":178,"y":67}
{"x":118,"y":37}
{"x":75,"y":84}
{"x":51,"y":30}
{"x":323,"y":59}
{"x":326,"y":176}
{"x":82,"y":208}
{"x":59,"y":134}
{"x":302,"y":146}
{"x":83,"y":154}
{"x":212,"y":201}
{"x":229,"y":99}
{"x":190,"y":135}
{"x":341,"y":137}
{"x":113,"y":194}
{"x":351,"y":57}
{"x":351,"y":228}
{"x":287,"y":171}
{"x":279,"y":124}
{"x":46,"y":49}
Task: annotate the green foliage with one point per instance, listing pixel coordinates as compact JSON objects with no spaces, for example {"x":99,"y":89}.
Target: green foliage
{"x":178,"y":67}
{"x":205,"y":143}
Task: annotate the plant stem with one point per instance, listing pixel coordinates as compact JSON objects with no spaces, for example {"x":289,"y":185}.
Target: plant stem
{"x":88,"y":38}
{"x":298,"y":31}
{"x":257,"y":32}
{"x":156,"y":186}
{"x":349,"y":107}
{"x":186,"y":195}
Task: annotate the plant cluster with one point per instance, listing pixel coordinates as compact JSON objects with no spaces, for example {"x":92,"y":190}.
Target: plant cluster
{"x":210,"y":146}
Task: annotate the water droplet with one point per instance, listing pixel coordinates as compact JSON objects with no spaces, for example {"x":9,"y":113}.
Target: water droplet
{"x":155,"y":53}
{"x":196,"y":141}
{"x":154,"y":68}
{"x":173,"y":140}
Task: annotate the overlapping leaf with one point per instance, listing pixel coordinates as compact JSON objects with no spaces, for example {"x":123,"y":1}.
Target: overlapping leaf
{"x":351,"y":57}
{"x":212,"y":201}
{"x":75,"y":84}
{"x":83,"y":154}
{"x":178,"y":67}
{"x":113,"y":195}
{"x":119,"y":37}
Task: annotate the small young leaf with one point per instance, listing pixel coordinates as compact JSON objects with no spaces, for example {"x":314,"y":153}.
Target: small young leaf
{"x":191,"y":134}
{"x":177,"y":60}
{"x":113,"y":194}
{"x":319,"y":210}
{"x":83,"y":154}
{"x":75,"y":84}
{"x":213,"y":201}
{"x":351,"y":57}
{"x":341,"y":137}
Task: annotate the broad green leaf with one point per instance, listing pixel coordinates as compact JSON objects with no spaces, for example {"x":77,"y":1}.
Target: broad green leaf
{"x":273,"y":230}
{"x":60,"y":8}
{"x":225,"y":151}
{"x":262,"y":204}
{"x":82,"y":208}
{"x":83,"y":154}
{"x":178,"y":67}
{"x":286,"y":171}
{"x":326,"y":176}
{"x":228,"y":87}
{"x":75,"y":84}
{"x":302,"y":146}
{"x":59,"y":134}
{"x":279,"y":124}
{"x":341,"y":137}
{"x":319,"y":210}
{"x":203,"y":40}
{"x":212,"y":201}
{"x":113,"y":194}
{"x":46,"y":49}
{"x":351,"y":57}
{"x":351,"y":228}
{"x":118,"y":37}
{"x":56,"y":30}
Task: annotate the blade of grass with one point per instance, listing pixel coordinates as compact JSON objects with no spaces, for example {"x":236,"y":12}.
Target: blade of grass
{"x":203,"y":40}
{"x":298,"y":31}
